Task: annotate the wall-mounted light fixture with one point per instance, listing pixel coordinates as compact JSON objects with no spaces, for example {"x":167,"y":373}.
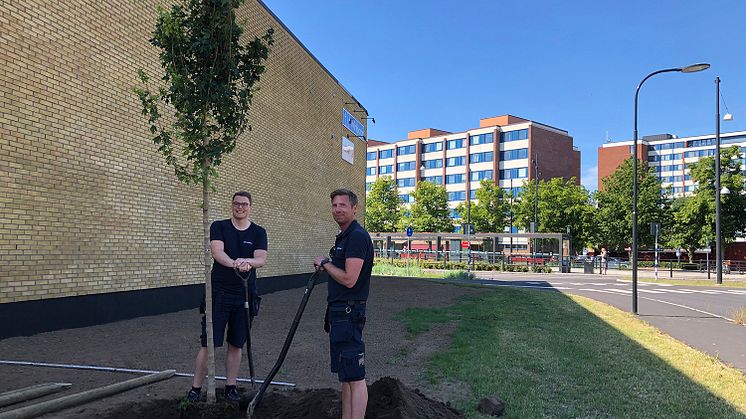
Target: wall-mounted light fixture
{"x":374,"y":119}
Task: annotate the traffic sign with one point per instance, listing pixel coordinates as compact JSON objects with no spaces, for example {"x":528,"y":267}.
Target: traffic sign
{"x":410,"y":231}
{"x":464,"y":244}
{"x":468,"y":228}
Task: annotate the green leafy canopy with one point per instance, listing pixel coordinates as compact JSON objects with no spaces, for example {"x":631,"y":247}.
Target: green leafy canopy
{"x":208,"y":83}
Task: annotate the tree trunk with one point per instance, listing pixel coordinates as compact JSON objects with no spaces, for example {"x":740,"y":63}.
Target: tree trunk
{"x":208,"y":290}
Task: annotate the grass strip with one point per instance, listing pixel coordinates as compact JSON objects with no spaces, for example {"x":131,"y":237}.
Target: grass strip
{"x":552,"y":355}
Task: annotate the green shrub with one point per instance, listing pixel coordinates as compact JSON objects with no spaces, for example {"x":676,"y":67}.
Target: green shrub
{"x":460,"y":275}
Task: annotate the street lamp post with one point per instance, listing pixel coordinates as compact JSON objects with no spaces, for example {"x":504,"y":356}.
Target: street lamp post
{"x":536,"y":205}
{"x":718,"y":191}
{"x":688,"y":69}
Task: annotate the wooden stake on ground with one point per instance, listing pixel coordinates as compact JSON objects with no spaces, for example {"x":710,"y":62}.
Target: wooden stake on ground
{"x":84,"y":397}
{"x":32,"y":392}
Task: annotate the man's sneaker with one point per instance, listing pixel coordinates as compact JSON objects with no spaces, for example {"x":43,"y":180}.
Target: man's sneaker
{"x":232,"y":394}
{"x":193,"y":395}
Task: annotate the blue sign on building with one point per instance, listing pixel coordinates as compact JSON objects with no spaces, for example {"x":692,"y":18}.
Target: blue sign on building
{"x":352,"y":124}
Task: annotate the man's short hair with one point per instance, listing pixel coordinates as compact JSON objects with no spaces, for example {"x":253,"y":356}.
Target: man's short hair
{"x":349,"y":193}
{"x":243,"y":193}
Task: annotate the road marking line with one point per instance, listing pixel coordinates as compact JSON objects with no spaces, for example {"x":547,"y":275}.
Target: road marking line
{"x":675,"y":291}
{"x":690,"y":308}
{"x":619,"y":290}
{"x":652,"y":291}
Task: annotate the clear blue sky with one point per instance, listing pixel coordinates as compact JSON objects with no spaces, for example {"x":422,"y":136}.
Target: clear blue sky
{"x":570,"y":64}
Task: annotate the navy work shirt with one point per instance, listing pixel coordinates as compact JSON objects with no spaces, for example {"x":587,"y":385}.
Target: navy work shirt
{"x":354,"y":242}
{"x":237,"y":244}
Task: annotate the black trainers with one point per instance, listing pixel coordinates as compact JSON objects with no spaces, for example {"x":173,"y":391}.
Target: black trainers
{"x":193,"y":395}
{"x":232,"y":394}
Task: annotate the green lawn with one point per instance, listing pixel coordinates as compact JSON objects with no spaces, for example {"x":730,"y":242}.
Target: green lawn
{"x":551,"y":355}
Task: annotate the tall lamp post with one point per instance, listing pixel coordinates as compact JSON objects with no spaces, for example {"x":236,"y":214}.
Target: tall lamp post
{"x":718,"y":192}
{"x":688,"y":69}
{"x":536,"y":204}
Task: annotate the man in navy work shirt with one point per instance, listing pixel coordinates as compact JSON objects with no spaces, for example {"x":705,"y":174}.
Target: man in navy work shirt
{"x":234,"y":243}
{"x":349,"y":272}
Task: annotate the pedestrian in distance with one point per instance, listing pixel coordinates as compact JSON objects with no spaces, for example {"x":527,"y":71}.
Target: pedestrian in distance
{"x":604,"y":261}
{"x":235,"y":243}
{"x":349,"y":265}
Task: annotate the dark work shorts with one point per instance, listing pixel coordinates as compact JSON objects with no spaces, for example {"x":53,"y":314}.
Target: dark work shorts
{"x":346,"y":346}
{"x":228,"y":311}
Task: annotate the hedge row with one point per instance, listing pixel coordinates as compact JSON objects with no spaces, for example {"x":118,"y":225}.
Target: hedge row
{"x":477,"y":266}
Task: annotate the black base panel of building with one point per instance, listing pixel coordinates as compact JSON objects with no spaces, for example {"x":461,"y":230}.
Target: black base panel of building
{"x":28,"y":318}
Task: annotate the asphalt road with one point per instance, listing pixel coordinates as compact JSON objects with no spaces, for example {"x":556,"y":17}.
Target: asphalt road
{"x":701,"y":317}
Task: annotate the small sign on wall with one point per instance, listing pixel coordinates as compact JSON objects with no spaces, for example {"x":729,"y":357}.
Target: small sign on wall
{"x":348,"y":150}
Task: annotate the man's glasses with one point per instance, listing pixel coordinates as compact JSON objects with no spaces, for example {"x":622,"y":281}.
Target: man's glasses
{"x":241,"y":205}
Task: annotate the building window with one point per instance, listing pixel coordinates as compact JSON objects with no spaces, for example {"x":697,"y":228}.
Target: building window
{"x":700,"y":153}
{"x":517,"y":173}
{"x":455,"y":161}
{"x":457,"y":178}
{"x":433,"y":164}
{"x":432,"y":147}
{"x":473,"y":194}
{"x":481,"y":157}
{"x":405,"y":198}
{"x":438,"y":180}
{"x":405,"y":182}
{"x":385,"y":170}
{"x":454,"y":144}
{"x":406,"y":149}
{"x":481,"y":139}
{"x":371,"y":171}
{"x":701,"y":143}
{"x":480,"y":175}
{"x":386,"y":154}
{"x":457,"y":196}
{"x":521,"y":134}
{"x":368,"y":186}
{"x":371,"y":155}
{"x":403,"y":167}
{"x":514,"y":192}
{"x":521,"y":153}
{"x":669,"y":157}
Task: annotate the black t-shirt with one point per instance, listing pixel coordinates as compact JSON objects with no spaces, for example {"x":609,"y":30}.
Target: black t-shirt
{"x":354,"y":242}
{"x":237,"y":244}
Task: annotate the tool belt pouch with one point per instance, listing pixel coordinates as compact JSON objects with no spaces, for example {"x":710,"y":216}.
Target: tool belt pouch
{"x":327,"y":325}
{"x":256,"y":301}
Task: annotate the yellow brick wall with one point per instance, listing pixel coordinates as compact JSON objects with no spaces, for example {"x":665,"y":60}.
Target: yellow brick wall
{"x":87,"y":204}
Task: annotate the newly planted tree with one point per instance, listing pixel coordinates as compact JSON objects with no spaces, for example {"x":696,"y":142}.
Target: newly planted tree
{"x":199,"y":106}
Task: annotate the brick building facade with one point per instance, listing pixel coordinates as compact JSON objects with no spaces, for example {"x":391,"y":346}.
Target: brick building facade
{"x":87,"y":205}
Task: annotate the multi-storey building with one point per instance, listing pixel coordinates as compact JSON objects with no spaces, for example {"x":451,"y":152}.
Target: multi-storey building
{"x":502,"y":149}
{"x":669,"y":155}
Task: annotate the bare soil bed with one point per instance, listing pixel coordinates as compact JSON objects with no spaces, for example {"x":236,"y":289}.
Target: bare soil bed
{"x":170,"y":341}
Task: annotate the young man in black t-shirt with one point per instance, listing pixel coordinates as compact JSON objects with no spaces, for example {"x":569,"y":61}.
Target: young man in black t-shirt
{"x":234,"y":243}
{"x":349,"y":272}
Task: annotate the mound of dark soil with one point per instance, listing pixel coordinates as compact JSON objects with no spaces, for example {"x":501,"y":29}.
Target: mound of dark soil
{"x":387,"y":398}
